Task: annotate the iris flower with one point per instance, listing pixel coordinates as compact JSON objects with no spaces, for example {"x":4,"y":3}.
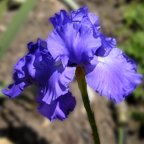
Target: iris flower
{"x":50,"y":64}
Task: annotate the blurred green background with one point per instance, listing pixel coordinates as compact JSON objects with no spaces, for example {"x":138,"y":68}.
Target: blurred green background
{"x":22,"y":21}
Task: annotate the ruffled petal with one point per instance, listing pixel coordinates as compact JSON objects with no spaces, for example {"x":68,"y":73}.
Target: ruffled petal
{"x":74,"y":38}
{"x":56,"y":44}
{"x":60,"y":18}
{"x":107,"y":44}
{"x":94,"y":19}
{"x":78,"y":45}
{"x":57,"y":84}
{"x":82,"y":17}
{"x":59,"y":108}
{"x":50,"y":76}
{"x":20,"y":77}
{"x":20,"y":69}
{"x":14,"y":90}
{"x":114,"y":76}
{"x":78,"y":15}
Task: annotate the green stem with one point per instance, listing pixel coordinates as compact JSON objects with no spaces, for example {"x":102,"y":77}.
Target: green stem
{"x":121,"y":135}
{"x":80,"y":75}
{"x":72,"y":4}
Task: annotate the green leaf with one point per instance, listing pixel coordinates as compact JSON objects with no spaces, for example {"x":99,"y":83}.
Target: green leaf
{"x":15,"y":25}
{"x":3,"y":7}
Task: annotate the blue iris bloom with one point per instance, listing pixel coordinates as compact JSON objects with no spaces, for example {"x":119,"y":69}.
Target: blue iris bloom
{"x":50,"y":64}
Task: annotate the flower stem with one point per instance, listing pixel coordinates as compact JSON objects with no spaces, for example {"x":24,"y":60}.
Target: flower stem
{"x":80,"y":76}
{"x":72,"y":4}
{"x":121,"y":133}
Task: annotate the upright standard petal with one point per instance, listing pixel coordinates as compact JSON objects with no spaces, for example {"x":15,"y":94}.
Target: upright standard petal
{"x":77,"y":16}
{"x":84,"y":17}
{"x":79,"y":45}
{"x":59,"y":108}
{"x":75,"y":37}
{"x":114,"y":76}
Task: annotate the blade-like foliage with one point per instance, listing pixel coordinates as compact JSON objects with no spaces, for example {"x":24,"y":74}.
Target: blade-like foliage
{"x":15,"y":25}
